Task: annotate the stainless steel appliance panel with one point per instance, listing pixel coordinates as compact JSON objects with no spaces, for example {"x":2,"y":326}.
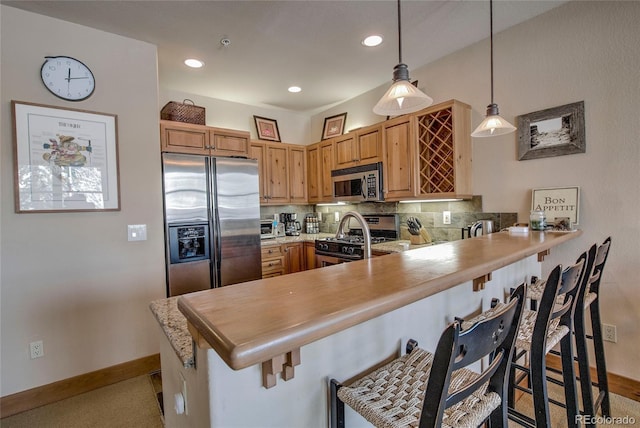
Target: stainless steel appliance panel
{"x":358,"y":184}
{"x":210,"y":202}
{"x":185,"y":188}
{"x":237,"y":219}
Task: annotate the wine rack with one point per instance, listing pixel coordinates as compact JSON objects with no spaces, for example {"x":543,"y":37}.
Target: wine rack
{"x":444,"y":150}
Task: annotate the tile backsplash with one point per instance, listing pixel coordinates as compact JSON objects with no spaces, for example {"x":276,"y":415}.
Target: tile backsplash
{"x":463,"y":214}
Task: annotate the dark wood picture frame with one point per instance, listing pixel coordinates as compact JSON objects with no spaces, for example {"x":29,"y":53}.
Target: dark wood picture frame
{"x":334,"y":126}
{"x":267,"y":129}
{"x":552,"y":132}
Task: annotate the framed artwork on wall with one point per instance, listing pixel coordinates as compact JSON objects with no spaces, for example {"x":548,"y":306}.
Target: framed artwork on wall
{"x":556,"y":131}
{"x":64,"y":159}
{"x":334,"y":126}
{"x":557,"y":203}
{"x":267,"y":129}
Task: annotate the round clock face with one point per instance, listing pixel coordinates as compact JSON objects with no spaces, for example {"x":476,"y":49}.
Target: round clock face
{"x":67,"y":78}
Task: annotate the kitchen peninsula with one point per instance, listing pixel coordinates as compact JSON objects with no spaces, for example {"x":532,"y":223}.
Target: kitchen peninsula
{"x":275,"y":342}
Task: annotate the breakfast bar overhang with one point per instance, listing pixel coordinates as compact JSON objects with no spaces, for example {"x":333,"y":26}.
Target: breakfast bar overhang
{"x":276,"y":341}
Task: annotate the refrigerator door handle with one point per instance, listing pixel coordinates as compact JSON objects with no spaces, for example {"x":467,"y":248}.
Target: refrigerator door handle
{"x":217,"y":281}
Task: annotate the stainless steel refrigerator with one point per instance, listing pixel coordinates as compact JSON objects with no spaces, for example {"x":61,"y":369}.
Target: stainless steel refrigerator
{"x":212,"y":222}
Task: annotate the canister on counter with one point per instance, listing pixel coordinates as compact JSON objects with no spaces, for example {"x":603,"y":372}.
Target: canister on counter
{"x":537,"y":220}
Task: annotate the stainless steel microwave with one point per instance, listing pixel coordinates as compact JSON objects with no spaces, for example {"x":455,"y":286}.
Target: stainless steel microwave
{"x":358,"y":184}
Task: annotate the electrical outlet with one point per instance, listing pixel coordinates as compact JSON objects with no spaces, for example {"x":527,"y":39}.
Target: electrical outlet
{"x":446,"y":217}
{"x":609,"y":333}
{"x":37,"y":349}
{"x":337,"y":216}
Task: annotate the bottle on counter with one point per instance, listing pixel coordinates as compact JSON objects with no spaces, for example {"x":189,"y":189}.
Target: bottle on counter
{"x":537,"y":220}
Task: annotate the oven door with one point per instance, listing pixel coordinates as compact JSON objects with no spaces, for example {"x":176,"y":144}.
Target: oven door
{"x":324,"y":260}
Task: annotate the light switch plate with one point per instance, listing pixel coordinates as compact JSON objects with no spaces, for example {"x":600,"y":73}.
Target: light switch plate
{"x":446,"y":217}
{"x":137,"y":232}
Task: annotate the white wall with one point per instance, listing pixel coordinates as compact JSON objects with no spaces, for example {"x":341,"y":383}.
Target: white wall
{"x":72,"y":279}
{"x":580,"y":51}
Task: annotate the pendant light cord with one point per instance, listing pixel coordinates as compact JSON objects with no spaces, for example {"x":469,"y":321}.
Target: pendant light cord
{"x":491,"y":38}
{"x":399,"y":35}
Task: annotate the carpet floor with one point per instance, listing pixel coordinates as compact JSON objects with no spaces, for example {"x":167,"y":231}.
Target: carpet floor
{"x":130,"y":403}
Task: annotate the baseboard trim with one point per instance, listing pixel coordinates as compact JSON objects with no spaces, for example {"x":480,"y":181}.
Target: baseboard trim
{"x":66,"y":388}
{"x":619,"y":385}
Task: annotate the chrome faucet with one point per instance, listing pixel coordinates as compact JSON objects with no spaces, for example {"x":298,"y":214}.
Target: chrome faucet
{"x":365,"y":230}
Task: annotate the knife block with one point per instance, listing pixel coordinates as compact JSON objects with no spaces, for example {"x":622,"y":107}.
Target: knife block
{"x":416,"y":239}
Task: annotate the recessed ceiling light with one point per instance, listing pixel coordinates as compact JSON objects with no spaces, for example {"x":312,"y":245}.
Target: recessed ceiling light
{"x":295,"y":89}
{"x":373,"y":40}
{"x":193,"y":63}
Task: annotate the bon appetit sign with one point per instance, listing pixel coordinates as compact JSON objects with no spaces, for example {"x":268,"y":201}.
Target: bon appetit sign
{"x":557,"y":202}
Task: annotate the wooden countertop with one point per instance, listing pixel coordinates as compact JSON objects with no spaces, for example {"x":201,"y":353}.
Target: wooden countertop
{"x":255,"y":322}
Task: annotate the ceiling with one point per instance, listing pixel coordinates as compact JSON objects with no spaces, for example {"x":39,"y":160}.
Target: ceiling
{"x":277,"y":44}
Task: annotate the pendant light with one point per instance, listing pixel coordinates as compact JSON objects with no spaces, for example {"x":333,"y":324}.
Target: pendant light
{"x":402,"y":97}
{"x":493,"y":124}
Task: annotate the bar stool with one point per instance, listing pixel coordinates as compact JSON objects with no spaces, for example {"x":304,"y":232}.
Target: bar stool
{"x":540,"y":331}
{"x":592,"y":301}
{"x":589,"y":296}
{"x":429,"y":390}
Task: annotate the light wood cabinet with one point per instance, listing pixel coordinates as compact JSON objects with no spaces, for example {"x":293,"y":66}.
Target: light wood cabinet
{"x":310,"y":255}
{"x":427,"y":155}
{"x":273,"y":172}
{"x":326,"y":166}
{"x":398,"y":169}
{"x":228,"y":142}
{"x":346,"y":150}
{"x":443,"y":151}
{"x":360,"y":147}
{"x":314,"y":174}
{"x":187,"y":138}
{"x":273,"y":263}
{"x":294,"y":257}
{"x":297,"y":174}
{"x":179,"y":137}
{"x":282,"y":171}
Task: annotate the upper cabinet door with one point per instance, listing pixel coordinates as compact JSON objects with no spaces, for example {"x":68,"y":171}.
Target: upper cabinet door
{"x":369,"y":144}
{"x":297,"y":174}
{"x":179,"y":137}
{"x":346,"y":151}
{"x":314,"y":174}
{"x":360,"y":147}
{"x":277,"y":174}
{"x":229,"y":142}
{"x":399,"y":178}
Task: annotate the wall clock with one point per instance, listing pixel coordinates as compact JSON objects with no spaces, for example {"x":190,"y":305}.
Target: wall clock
{"x":67,"y":78}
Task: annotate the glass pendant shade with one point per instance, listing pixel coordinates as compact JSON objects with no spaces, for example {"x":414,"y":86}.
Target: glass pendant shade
{"x":402,"y":97}
{"x":493,"y":124}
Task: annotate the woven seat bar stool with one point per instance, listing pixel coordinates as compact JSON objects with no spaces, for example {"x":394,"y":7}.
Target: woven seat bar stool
{"x":589,"y":295}
{"x":592,"y":301}
{"x":539,"y":332}
{"x":425,"y":390}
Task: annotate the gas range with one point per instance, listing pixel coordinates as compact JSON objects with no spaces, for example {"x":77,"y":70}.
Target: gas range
{"x":383,"y":228}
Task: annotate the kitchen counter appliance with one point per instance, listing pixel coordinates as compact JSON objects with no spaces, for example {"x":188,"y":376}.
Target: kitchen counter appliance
{"x":358,"y":184}
{"x":212,"y":222}
{"x":350,"y":247}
